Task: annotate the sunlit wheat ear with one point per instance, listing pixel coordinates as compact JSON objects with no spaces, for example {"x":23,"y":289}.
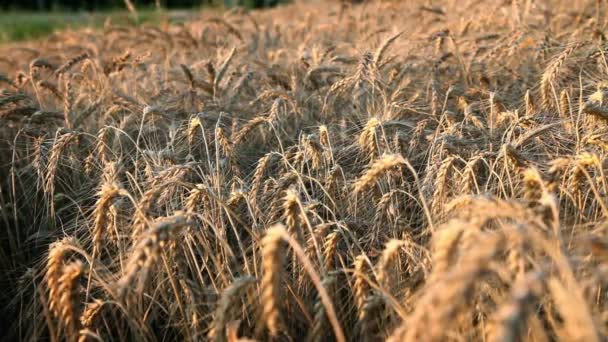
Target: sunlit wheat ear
{"x":324,"y":137}
{"x":272,"y":271}
{"x":68,"y":102}
{"x":329,"y":250}
{"x":286,"y":181}
{"x":368,"y":139}
{"x":248,"y":128}
{"x":381,"y":166}
{"x":386,"y":205}
{"x":223,"y":140}
{"x":313,"y":151}
{"x":597,"y":140}
{"x":417,"y":136}
{"x":433,"y":315}
{"x":236,"y":197}
{"x":445,"y":247}
{"x":108,"y":193}
{"x":144,"y":206}
{"x":335,"y":179}
{"x":379,"y":54}
{"x":386,"y":263}
{"x":530,"y":108}
{"x":194,"y":125}
{"x":578,"y":168}
{"x":533,"y":184}
{"x":435,"y":105}
{"x":102,"y":147}
{"x":441,"y":186}
{"x":229,"y":306}
{"x":291,"y":207}
{"x":564,"y":104}
{"x":146,"y":252}
{"x":91,"y":313}
{"x":69,"y":303}
{"x":296,"y":158}
{"x":54,"y":270}
{"x":469,"y":176}
{"x":277,"y":110}
{"x":70,"y":63}
{"x":197,"y":196}
{"x":258,"y":176}
{"x":39,"y":157}
{"x":61,"y":142}
{"x":360,"y":283}
{"x":550,"y":74}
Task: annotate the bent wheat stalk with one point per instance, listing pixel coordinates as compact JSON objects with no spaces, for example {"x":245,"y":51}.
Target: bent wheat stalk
{"x":277,"y":233}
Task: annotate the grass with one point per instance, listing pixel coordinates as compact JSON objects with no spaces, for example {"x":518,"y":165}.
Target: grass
{"x":20,"y":25}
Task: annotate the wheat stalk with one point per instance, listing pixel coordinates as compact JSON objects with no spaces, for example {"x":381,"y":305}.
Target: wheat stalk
{"x":550,"y":74}
{"x":231,"y":297}
{"x":147,"y":251}
{"x":68,"y":303}
{"x":378,"y":168}
{"x":270,"y":284}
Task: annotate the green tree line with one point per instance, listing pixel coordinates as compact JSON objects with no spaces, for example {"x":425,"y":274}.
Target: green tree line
{"x":91,"y":5}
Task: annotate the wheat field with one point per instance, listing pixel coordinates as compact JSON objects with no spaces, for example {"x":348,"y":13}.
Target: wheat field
{"x":321,"y":171}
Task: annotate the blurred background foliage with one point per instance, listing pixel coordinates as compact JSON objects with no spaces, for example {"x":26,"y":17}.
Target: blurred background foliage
{"x":96,"y":5}
{"x":31,"y":19}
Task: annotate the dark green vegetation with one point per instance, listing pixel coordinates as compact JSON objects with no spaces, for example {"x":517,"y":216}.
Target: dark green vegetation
{"x":17,"y":24}
{"x":20,"y":25}
{"x":94,"y":5}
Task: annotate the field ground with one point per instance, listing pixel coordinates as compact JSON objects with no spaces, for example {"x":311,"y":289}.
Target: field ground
{"x":322,"y":171}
